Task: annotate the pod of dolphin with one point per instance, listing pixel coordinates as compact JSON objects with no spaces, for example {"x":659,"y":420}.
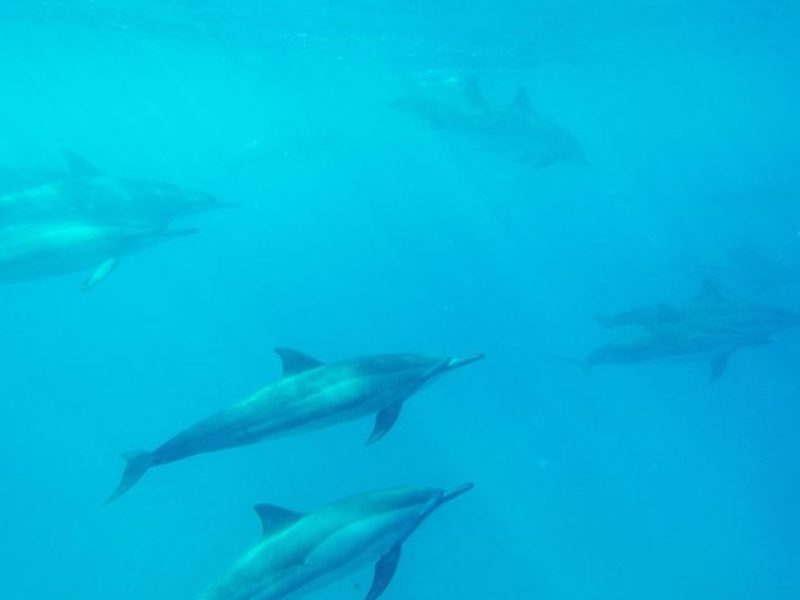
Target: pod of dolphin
{"x":83,"y":220}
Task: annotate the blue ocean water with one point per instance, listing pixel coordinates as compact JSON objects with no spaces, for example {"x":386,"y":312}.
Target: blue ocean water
{"x":362,"y":229}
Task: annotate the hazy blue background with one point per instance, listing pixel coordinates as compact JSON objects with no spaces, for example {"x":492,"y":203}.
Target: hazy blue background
{"x":364,"y":231}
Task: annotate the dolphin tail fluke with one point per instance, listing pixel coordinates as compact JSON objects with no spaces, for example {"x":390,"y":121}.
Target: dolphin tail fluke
{"x":137,"y":464}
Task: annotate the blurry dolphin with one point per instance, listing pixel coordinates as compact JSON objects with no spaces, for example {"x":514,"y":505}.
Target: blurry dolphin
{"x":518,"y":129}
{"x":708,"y":300}
{"x":87,"y":194}
{"x":310,"y":395}
{"x":299,"y":551}
{"x":47,"y":249}
{"x":716,"y":346}
{"x":709,"y":310}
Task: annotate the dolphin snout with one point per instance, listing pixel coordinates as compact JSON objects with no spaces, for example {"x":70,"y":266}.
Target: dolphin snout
{"x":454,"y":363}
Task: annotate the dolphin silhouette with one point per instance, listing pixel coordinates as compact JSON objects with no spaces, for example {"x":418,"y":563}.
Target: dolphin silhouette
{"x":310,"y":395}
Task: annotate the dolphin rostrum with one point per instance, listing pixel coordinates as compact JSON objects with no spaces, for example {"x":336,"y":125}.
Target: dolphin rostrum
{"x":310,"y":395}
{"x":298,"y":551}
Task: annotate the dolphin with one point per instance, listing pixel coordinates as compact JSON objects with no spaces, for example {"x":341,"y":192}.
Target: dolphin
{"x":707,"y":301}
{"x":709,"y":310}
{"x":299,"y":551}
{"x":714,"y":345}
{"x":517,"y":130}
{"x":310,"y":395}
{"x":40,"y":250}
{"x":87,"y":193}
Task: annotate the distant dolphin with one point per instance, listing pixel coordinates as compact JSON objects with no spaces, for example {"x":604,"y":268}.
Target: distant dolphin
{"x":310,"y":395}
{"x":714,"y":345}
{"x":517,"y":130}
{"x":85,"y":193}
{"x":49,"y":249}
{"x":300,"y":551}
{"x":710,"y":310}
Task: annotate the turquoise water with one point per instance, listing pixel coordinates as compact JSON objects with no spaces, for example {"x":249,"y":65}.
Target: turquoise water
{"x":363,"y":229}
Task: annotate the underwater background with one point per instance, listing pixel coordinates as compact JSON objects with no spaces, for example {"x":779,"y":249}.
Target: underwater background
{"x":361,"y":230}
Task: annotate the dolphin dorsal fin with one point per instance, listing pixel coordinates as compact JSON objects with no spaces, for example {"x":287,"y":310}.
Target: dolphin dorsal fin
{"x":522,"y":102}
{"x":710,"y":293}
{"x":79,"y":165}
{"x":275,"y":518}
{"x":473,"y":94}
{"x":295,"y":362}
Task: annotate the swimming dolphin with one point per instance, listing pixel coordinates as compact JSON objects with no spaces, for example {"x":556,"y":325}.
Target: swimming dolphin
{"x":709,"y":310}
{"x":298,"y":551}
{"x":39,"y":250}
{"x":310,"y":395}
{"x":713,"y":345}
{"x":708,"y":301}
{"x":517,"y":130}
{"x":85,"y":193}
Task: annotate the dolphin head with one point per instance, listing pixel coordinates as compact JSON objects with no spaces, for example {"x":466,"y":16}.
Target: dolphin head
{"x":435,"y":366}
{"x":421,"y":501}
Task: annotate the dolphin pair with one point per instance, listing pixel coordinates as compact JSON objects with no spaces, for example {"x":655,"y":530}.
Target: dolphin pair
{"x":85,"y":220}
{"x":310,"y":395}
{"x":708,"y":327}
{"x":298,"y":551}
{"x":517,"y":129}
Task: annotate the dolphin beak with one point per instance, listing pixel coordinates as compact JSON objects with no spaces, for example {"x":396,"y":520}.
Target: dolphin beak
{"x":454,"y":363}
{"x":455,"y":493}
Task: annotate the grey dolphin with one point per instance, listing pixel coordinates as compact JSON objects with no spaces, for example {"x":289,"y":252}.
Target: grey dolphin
{"x":708,"y":301}
{"x":310,"y":395}
{"x":39,"y":250}
{"x":713,"y":345}
{"x":517,"y":130}
{"x":88,"y":194}
{"x":299,"y":551}
{"x":710,"y":310}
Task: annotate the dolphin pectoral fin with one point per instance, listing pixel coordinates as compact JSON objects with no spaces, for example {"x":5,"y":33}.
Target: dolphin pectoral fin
{"x":718,"y":366}
{"x":385,"y":569}
{"x":137,"y":464}
{"x":79,"y":166}
{"x":100,"y":273}
{"x":522,"y":102}
{"x":274,"y":518}
{"x":295,"y":362}
{"x":384,"y":421}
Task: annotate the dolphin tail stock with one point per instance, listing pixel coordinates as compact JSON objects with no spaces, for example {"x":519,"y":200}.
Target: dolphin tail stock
{"x":137,"y":464}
